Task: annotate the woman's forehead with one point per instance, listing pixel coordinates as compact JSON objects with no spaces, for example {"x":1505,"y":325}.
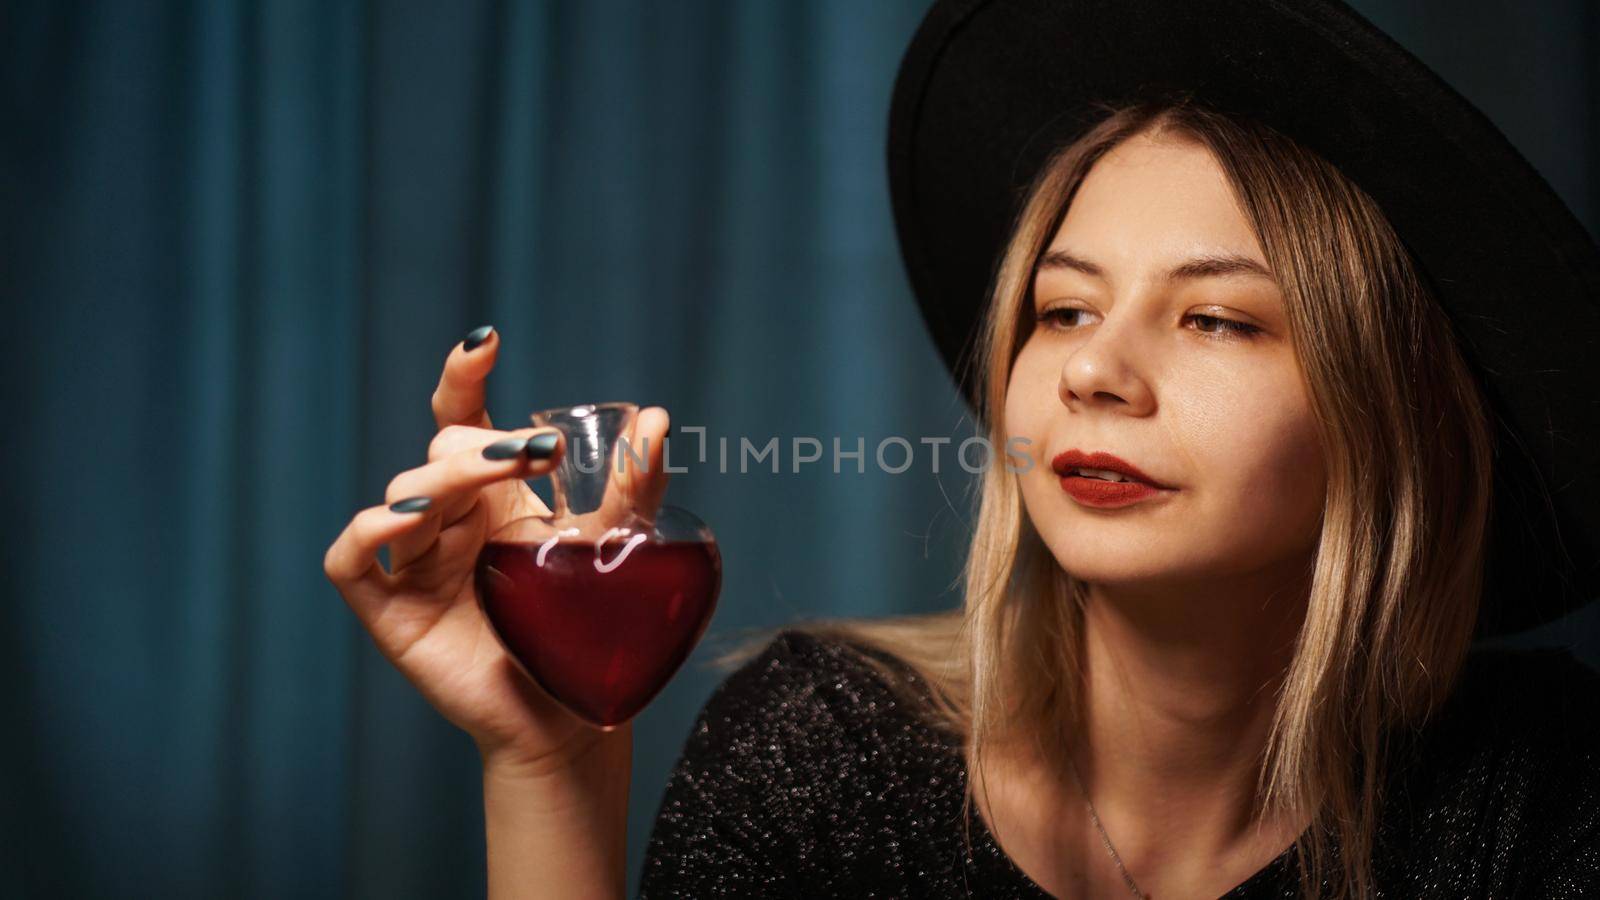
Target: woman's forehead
{"x":1152,"y":203}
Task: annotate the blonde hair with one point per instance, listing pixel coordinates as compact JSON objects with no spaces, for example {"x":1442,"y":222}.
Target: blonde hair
{"x":1398,"y":569}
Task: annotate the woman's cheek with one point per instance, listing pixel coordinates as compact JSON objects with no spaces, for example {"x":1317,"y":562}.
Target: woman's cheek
{"x":1273,"y":488}
{"x":1247,"y":444}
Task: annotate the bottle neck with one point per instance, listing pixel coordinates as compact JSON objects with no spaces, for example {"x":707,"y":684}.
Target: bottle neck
{"x":595,"y":449}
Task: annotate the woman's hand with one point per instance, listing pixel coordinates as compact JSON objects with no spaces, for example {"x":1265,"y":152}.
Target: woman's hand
{"x":423,"y":614}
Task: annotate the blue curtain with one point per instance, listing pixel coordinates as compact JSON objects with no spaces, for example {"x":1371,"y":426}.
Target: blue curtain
{"x":239,"y":240}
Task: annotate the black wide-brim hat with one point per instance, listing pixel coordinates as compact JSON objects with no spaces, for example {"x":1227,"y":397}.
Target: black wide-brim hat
{"x":988,"y":88}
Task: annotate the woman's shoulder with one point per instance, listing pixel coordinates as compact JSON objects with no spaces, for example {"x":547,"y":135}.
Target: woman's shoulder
{"x":1532,"y":713}
{"x":801,"y":681}
{"x":1502,"y":788}
{"x":814,"y":712}
{"x":802,"y":776}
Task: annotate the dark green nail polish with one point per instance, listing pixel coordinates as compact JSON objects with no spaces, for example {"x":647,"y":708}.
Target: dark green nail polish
{"x":477,"y":336}
{"x":509,"y":448}
{"x":411,"y":504}
{"x":541,"y":446}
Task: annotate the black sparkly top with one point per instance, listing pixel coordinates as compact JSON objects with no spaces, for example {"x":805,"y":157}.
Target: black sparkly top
{"x":804,"y":777}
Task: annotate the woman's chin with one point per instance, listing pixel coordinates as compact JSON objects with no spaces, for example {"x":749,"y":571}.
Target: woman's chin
{"x":1114,"y":566}
{"x":1122,"y":573}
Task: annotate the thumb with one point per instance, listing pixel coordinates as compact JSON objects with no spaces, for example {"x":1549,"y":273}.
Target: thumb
{"x":650,"y":481}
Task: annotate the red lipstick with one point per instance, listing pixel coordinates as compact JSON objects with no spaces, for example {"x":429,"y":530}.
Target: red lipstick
{"x":1090,"y":490}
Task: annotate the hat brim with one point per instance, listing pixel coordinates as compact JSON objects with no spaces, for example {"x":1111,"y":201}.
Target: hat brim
{"x":987,"y":89}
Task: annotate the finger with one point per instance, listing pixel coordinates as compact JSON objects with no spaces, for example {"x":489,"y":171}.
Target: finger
{"x":351,"y":562}
{"x":453,"y":439}
{"x":504,"y":498}
{"x":640,"y":480}
{"x":651,"y":479}
{"x":458,"y":400}
{"x":443,"y":560}
{"x":455,"y":482}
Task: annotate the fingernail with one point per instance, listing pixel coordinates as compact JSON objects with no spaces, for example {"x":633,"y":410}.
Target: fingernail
{"x":411,"y":504}
{"x":477,"y":336}
{"x":509,"y":448}
{"x":541,"y":446}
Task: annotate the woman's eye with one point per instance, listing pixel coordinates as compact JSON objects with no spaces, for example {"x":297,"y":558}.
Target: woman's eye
{"x":1224,"y":327}
{"x":1055,"y":315}
{"x":1062,"y":318}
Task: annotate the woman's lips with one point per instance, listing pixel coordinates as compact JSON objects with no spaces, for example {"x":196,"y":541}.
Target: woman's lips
{"x":1107,"y":494}
{"x":1099,"y":492}
{"x":1068,"y":460}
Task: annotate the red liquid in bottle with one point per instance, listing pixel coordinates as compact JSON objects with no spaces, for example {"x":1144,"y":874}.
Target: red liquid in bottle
{"x":603,"y":643}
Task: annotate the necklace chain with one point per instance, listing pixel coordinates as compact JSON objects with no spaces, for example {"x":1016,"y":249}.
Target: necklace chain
{"x":1105,"y":838}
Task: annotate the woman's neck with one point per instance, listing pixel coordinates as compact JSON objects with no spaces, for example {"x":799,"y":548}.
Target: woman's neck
{"x":1179,"y":693}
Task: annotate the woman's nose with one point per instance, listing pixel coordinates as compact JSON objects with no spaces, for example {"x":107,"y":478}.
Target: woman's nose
{"x":1107,"y":370}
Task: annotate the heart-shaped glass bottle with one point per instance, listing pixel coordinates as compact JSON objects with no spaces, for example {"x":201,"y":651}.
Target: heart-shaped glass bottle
{"x":600,"y":602}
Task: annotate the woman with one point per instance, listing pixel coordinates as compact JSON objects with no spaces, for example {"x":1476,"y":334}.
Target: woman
{"x":1247,"y":676}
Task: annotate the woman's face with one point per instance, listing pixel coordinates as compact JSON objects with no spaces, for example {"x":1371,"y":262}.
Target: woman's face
{"x":1125,"y":361}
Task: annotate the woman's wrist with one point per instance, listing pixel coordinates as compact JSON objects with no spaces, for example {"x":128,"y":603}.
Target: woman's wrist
{"x":587,"y":752}
{"x":556,"y":826}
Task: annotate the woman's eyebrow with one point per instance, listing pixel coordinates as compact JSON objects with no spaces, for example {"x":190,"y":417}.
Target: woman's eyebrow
{"x":1215,"y":264}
